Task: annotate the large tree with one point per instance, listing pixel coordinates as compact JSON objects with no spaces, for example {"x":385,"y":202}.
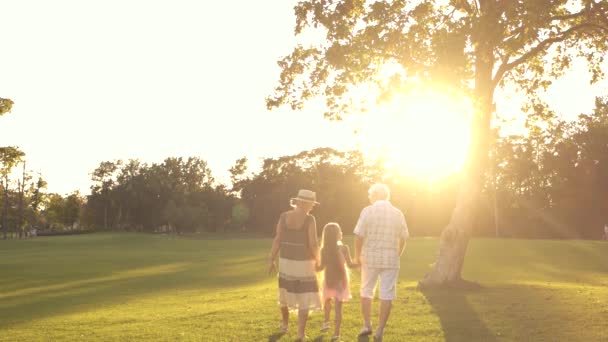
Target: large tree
{"x":468,"y":46}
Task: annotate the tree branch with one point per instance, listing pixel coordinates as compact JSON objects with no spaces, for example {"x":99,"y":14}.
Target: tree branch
{"x":505,"y":67}
{"x":569,"y":16}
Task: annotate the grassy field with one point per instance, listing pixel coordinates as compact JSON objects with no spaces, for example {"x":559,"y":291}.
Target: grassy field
{"x":125,"y":287}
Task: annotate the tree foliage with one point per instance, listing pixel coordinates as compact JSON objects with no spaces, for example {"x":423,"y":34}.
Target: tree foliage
{"x":177,"y":194}
{"x":5,"y":106}
{"x":552,"y":182}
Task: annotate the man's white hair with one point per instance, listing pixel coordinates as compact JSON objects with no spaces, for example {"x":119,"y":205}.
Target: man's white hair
{"x":380,"y":191}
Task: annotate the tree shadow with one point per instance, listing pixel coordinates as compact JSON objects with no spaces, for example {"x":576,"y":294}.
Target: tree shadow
{"x":459,"y":321}
{"x":113,"y":270}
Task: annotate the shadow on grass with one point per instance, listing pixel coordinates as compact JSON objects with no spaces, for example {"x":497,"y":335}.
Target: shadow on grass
{"x":459,"y":321}
{"x":279,"y":335}
{"x":275,"y":337}
{"x":86,"y":293}
{"x":83,"y":273}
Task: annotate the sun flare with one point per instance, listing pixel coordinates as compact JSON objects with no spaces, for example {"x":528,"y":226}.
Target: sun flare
{"x":423,"y":134}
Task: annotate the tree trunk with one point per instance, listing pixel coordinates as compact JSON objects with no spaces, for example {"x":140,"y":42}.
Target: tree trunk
{"x":5,"y":208}
{"x":119,"y":217}
{"x":105,"y":217}
{"x":21,"y":194}
{"x":455,"y":237}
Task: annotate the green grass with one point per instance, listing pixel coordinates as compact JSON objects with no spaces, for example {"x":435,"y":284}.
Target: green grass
{"x":125,"y":287}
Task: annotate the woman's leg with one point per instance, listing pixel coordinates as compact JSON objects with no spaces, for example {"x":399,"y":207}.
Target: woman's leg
{"x":327,"y":308}
{"x":285,"y":316}
{"x":302,"y":318}
{"x":338,"y":318}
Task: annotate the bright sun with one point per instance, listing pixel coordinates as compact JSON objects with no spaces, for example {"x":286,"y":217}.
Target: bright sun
{"x":424,"y":134}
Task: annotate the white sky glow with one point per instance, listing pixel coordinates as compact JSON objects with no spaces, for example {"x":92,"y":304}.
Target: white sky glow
{"x":95,"y":81}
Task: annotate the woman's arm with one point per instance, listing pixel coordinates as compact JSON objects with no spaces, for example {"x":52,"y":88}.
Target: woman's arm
{"x":346,"y":254}
{"x":313,"y":244}
{"x":274,"y":250}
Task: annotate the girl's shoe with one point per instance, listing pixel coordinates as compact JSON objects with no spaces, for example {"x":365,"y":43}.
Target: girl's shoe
{"x":335,"y":338}
{"x":325,"y":326}
{"x":365,"y":331}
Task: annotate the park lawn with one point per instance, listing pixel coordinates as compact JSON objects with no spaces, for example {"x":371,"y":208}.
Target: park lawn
{"x":127,"y":287}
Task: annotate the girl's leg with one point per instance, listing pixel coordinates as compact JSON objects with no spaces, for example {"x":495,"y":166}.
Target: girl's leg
{"x":338,"y":318}
{"x":285,"y":316}
{"x":302,"y":318}
{"x":327,"y":308}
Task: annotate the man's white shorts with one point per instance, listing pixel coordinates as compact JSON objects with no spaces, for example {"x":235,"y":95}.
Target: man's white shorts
{"x":388,"y":280}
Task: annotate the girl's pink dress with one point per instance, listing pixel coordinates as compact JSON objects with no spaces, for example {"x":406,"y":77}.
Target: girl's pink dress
{"x":342,"y":294}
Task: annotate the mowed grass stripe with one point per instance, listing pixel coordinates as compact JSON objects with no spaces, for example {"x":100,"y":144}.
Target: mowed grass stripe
{"x":126,"y":287}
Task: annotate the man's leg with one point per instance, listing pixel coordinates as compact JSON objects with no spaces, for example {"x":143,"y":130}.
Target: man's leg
{"x":369,"y":277}
{"x":388,"y":293}
{"x":366,"y":312}
{"x":385,"y":311}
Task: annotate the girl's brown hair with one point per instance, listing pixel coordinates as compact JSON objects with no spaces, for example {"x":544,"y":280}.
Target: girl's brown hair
{"x":335,"y":272}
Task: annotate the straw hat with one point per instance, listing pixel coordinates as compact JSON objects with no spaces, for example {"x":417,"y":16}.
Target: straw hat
{"x":306,"y":196}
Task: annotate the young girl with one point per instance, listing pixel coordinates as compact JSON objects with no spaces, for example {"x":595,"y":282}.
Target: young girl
{"x":334,"y":256}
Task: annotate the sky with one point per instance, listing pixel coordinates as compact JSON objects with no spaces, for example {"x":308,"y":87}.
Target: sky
{"x":95,"y":81}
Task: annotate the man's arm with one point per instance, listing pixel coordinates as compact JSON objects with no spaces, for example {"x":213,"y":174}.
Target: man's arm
{"x":346,"y":254}
{"x":403,"y":235}
{"x":401,"y":245}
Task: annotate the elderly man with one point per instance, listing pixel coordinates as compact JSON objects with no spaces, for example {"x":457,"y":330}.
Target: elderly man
{"x":380,"y":239}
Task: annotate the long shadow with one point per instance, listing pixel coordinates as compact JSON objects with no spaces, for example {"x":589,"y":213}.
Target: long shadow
{"x":459,"y":320}
{"x":275,"y":337}
{"x":88,"y":293}
{"x":365,"y":338}
{"x":54,"y":277}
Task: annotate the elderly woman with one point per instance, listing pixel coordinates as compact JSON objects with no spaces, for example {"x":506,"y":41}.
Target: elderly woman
{"x":296,"y":240}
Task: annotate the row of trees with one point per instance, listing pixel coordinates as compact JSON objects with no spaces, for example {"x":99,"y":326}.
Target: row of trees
{"x":178,"y":195}
{"x":551,"y":181}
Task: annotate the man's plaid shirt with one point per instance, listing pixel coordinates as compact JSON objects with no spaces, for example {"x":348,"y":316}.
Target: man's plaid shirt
{"x":381,"y":226}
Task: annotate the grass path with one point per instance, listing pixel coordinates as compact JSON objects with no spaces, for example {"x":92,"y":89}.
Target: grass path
{"x":126,"y":287}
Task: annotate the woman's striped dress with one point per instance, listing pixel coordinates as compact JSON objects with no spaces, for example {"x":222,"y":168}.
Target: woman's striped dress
{"x":298,"y":285}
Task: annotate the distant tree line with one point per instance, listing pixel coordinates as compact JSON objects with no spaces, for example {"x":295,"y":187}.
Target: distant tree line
{"x":177,"y":195}
{"x":551,"y":182}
